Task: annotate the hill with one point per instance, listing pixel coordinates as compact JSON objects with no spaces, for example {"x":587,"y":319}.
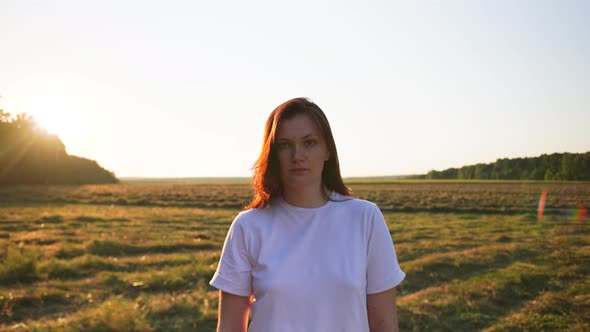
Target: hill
{"x":30,"y":155}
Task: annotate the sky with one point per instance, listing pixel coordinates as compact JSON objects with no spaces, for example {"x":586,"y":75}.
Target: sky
{"x":183,"y":88}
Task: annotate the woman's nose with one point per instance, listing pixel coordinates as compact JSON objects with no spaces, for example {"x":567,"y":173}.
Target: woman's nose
{"x":298,"y":152}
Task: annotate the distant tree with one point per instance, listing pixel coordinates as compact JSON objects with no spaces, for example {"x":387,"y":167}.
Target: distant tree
{"x":585,"y":166}
{"x":568,"y":166}
{"x":29,"y":155}
{"x":537,"y":174}
{"x":4,"y":116}
{"x":483,"y":171}
{"x":554,"y":167}
{"x":549,"y":175}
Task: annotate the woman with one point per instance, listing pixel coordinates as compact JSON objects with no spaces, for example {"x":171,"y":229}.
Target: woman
{"x":305,"y":255}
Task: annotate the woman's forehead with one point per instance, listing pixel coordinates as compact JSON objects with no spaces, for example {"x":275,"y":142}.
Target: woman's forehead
{"x":298,"y":127}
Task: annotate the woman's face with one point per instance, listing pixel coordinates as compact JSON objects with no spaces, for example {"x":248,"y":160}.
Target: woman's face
{"x":301,"y":151}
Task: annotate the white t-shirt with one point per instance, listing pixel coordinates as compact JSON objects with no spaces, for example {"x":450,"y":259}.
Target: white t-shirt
{"x":309,"y":269}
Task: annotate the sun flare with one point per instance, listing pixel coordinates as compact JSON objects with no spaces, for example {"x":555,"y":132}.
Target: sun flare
{"x":55,"y":113}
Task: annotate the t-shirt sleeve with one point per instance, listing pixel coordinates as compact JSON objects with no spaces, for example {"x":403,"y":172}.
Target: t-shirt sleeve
{"x":383,"y":270}
{"x":234,"y":271}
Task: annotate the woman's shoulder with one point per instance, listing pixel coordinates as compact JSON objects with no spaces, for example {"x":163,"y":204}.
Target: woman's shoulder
{"x":253,"y":215}
{"x":353,"y":202}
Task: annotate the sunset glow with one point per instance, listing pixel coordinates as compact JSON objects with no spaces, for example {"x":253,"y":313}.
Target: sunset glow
{"x":183,"y":89}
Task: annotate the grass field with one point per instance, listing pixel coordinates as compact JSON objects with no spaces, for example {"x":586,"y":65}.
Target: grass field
{"x":138,"y":257}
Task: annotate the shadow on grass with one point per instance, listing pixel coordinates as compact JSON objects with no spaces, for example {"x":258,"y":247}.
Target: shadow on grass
{"x":113,"y":248}
{"x":476,"y":303}
{"x":54,"y":219}
{"x":35,"y":306}
{"x":451,"y":266}
{"x":17,"y":226}
{"x":90,"y":219}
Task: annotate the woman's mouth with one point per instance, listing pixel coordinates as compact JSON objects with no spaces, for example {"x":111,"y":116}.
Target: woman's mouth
{"x":299,"y":170}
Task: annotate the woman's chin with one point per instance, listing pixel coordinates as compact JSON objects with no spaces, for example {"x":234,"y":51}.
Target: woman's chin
{"x":300,"y":180}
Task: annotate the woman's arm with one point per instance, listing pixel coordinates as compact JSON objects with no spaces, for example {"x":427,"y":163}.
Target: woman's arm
{"x":382,"y":311}
{"x":233,"y":312}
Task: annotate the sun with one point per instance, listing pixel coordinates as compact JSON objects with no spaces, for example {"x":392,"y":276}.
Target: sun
{"x":54,"y":123}
{"x":58,"y":115}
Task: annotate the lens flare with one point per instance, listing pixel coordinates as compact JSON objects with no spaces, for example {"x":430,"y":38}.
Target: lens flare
{"x":541,"y":204}
{"x":575,"y":214}
{"x":582,"y":213}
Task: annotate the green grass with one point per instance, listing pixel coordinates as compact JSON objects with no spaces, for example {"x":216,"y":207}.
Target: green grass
{"x":475,"y":254}
{"x":18,"y":265}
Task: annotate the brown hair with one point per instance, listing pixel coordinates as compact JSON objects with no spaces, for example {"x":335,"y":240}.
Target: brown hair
{"x":266,"y":180}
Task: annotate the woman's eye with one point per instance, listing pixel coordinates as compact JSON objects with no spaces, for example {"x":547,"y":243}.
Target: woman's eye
{"x":282,"y":146}
{"x":310,"y":142}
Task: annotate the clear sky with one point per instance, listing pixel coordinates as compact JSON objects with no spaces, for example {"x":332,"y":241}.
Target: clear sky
{"x":183,"y":88}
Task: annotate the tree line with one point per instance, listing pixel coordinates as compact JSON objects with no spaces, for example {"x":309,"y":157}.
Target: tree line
{"x":553,"y":167}
{"x":30,"y":155}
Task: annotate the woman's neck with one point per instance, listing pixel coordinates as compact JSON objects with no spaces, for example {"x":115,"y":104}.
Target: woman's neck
{"x":306,"y":196}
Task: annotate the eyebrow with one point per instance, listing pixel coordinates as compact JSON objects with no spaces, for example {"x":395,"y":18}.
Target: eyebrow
{"x":304,"y":137}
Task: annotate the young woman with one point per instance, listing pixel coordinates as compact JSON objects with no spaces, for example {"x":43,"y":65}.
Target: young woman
{"x":305,"y":255}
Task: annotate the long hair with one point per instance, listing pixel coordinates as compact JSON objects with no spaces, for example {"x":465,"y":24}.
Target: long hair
{"x":266,"y":180}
